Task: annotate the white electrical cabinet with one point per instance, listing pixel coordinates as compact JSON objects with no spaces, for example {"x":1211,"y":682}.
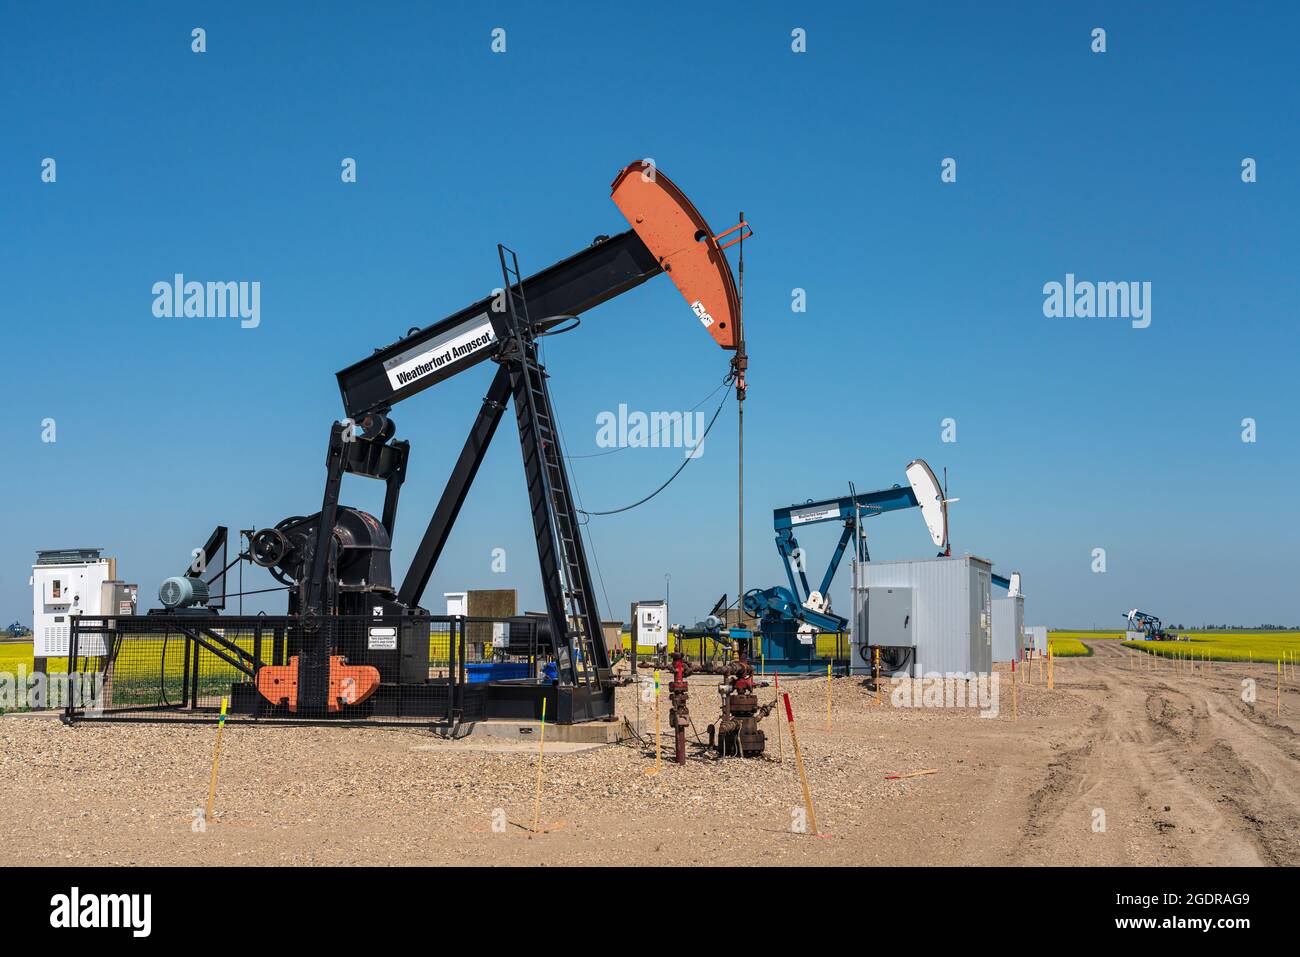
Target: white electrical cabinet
{"x":1008,"y":628}
{"x":74,"y":581}
{"x":649,"y":626}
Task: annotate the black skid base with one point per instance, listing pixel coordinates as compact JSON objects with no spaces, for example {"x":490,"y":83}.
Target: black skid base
{"x":522,"y":700}
{"x":389,"y":668}
{"x":436,"y":699}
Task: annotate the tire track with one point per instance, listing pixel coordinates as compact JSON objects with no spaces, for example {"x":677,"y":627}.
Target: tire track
{"x":1211,"y":780}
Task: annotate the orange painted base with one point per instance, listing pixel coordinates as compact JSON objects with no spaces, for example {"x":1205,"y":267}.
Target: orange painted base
{"x":349,"y":684}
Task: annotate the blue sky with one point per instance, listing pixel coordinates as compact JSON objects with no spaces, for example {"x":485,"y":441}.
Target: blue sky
{"x":924,"y":299}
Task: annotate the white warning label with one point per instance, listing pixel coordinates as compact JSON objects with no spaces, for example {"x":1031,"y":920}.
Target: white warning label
{"x":819,"y":513}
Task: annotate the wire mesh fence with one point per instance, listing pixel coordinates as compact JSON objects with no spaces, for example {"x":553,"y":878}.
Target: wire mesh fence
{"x":397,"y":670}
{"x":811,"y":655}
{"x":824,"y":648}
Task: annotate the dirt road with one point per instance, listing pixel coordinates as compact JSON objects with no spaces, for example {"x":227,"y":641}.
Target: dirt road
{"x":1216,"y":777}
{"x":1122,"y":763}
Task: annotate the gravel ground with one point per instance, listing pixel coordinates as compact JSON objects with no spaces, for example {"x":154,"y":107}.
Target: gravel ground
{"x":1006,"y":791}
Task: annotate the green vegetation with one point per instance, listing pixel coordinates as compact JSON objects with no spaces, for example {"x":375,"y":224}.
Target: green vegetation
{"x":695,"y":648}
{"x":150,"y":669}
{"x":14,"y":654}
{"x":829,"y":644}
{"x":1063,"y":645}
{"x":1261,"y":646}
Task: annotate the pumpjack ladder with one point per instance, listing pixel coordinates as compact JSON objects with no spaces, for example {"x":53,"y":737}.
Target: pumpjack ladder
{"x":565,"y":574}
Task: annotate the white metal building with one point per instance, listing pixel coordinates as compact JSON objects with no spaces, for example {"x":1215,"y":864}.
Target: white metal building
{"x":940,"y":608}
{"x":1036,"y":638}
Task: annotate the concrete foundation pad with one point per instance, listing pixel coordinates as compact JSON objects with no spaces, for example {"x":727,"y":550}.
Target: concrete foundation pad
{"x":502,"y":737}
{"x":591,"y":732}
{"x":52,"y":714}
{"x":502,"y":746}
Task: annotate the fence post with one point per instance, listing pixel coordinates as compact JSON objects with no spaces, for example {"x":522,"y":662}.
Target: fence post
{"x":257,"y":667}
{"x":74,"y":639}
{"x":798,"y":759}
{"x":1015,"y":710}
{"x":194,"y":673}
{"x":541,"y":751}
{"x":185,"y":674}
{"x":828,"y":696}
{"x":216,"y":759}
{"x":451,"y":670}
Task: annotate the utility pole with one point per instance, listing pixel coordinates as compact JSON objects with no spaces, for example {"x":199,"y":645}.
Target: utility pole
{"x":739,"y":364}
